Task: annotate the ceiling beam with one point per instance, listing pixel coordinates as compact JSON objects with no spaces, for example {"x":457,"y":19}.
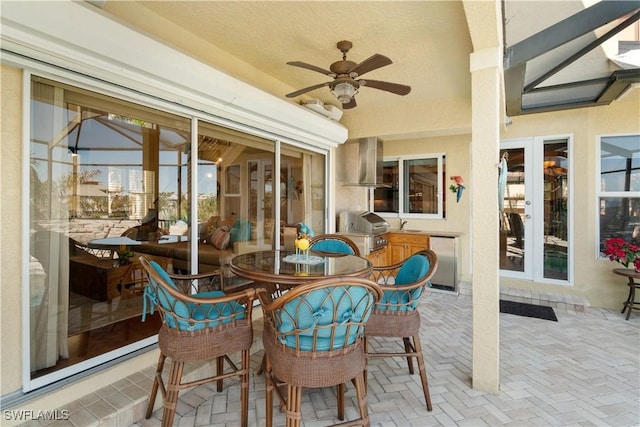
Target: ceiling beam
{"x":619,"y":82}
{"x":513,"y":88}
{"x":517,"y":56}
{"x":569,"y":29}
{"x":581,"y":52}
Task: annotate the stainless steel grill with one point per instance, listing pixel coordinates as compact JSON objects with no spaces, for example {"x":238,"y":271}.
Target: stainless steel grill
{"x":366,"y":229}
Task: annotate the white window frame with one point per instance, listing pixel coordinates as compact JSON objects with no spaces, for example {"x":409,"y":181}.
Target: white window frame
{"x":402,"y":213}
{"x":606,"y":194}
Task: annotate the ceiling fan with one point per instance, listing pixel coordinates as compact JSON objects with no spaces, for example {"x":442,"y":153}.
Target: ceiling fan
{"x":344,"y":85}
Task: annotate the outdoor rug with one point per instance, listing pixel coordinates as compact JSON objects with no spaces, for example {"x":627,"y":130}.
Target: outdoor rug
{"x":528,"y":310}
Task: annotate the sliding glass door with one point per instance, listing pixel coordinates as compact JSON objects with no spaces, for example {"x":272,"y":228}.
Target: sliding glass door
{"x":102,"y":167}
{"x":99,"y":167}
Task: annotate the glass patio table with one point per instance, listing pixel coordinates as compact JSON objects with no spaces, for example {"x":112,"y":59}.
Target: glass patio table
{"x":285,"y":268}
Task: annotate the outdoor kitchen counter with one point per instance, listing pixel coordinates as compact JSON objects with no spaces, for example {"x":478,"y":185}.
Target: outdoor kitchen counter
{"x":430,"y":233}
{"x":444,"y":233}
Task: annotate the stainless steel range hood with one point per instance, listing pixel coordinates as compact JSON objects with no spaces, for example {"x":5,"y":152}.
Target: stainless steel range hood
{"x":369,"y":162}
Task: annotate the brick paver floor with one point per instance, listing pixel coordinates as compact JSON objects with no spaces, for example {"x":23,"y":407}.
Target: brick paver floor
{"x":583,"y":370}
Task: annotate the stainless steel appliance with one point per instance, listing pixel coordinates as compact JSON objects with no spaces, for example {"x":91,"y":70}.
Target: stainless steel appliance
{"x":366,"y":229}
{"x":445,"y":276}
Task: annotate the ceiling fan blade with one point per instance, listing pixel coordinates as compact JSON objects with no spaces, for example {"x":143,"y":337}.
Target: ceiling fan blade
{"x":307,"y":89}
{"x":350,"y":104}
{"x":396,"y":88}
{"x":311,"y":67}
{"x":372,"y":63}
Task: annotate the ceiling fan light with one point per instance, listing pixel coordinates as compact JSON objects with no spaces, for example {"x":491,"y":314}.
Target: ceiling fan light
{"x":344,"y":92}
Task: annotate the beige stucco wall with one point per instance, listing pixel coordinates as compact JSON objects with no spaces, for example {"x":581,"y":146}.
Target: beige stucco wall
{"x":456,"y":149}
{"x":592,"y":276}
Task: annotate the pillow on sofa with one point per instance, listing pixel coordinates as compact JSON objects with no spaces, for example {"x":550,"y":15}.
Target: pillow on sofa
{"x":240,"y":231}
{"x":220,"y":237}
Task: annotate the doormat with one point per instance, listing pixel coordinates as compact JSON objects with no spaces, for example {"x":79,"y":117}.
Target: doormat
{"x":528,"y":310}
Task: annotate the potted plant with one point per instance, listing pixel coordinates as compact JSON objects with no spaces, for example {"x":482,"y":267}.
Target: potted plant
{"x":623,"y":252}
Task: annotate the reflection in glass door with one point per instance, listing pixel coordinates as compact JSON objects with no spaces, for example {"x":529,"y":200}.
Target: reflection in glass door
{"x":534,"y":210}
{"x":261,"y":199}
{"x":556,"y":195}
{"x":514,"y":209}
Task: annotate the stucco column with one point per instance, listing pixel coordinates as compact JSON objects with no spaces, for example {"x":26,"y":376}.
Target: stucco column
{"x":486,"y":90}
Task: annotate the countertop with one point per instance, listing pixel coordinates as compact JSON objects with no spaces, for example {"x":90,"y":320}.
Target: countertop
{"x":430,"y":233}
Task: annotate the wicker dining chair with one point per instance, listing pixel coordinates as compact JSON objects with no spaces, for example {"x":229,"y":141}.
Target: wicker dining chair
{"x":313,"y":338}
{"x":203,"y":326}
{"x":396,"y":314}
{"x":333,"y":243}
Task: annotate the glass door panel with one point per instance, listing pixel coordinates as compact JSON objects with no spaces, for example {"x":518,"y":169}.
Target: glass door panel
{"x":261,"y":199}
{"x":302,"y":189}
{"x":512,"y":211}
{"x":100,"y":167}
{"x":556,"y":192}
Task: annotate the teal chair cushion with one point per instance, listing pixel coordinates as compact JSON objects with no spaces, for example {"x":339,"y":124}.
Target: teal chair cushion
{"x":414,"y":268}
{"x":310,"y":312}
{"x":176,"y":311}
{"x":333,"y":246}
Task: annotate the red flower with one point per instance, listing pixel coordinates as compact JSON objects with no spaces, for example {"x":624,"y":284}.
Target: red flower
{"x":618,"y":250}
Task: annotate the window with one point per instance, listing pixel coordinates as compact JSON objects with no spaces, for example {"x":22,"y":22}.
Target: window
{"x":412,"y":187}
{"x":619,"y":188}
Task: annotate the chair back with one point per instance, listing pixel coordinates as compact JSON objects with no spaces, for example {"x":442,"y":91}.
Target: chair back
{"x":404,"y":282}
{"x":320,"y":316}
{"x":182,"y":312}
{"x":333,"y":243}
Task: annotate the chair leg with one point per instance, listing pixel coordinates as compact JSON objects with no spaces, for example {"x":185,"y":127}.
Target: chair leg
{"x":266,"y":367}
{"x":294,"y":395}
{"x":340,"y":390}
{"x":156,"y":383}
{"x":423,"y":371}
{"x":244,"y":388}
{"x":171,"y":399}
{"x":408,"y":348}
{"x":219,"y":371}
{"x":361,"y":395}
{"x":366,"y":362}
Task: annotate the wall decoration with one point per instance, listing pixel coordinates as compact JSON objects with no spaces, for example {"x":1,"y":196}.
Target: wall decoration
{"x":458,"y":187}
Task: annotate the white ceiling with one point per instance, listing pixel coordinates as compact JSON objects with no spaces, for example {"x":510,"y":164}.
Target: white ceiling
{"x":428,"y":42}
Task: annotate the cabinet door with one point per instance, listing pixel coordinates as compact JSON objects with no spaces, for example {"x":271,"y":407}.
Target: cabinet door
{"x":402,"y":246}
{"x":378,"y":258}
{"x":396,"y":252}
{"x":417,"y":247}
